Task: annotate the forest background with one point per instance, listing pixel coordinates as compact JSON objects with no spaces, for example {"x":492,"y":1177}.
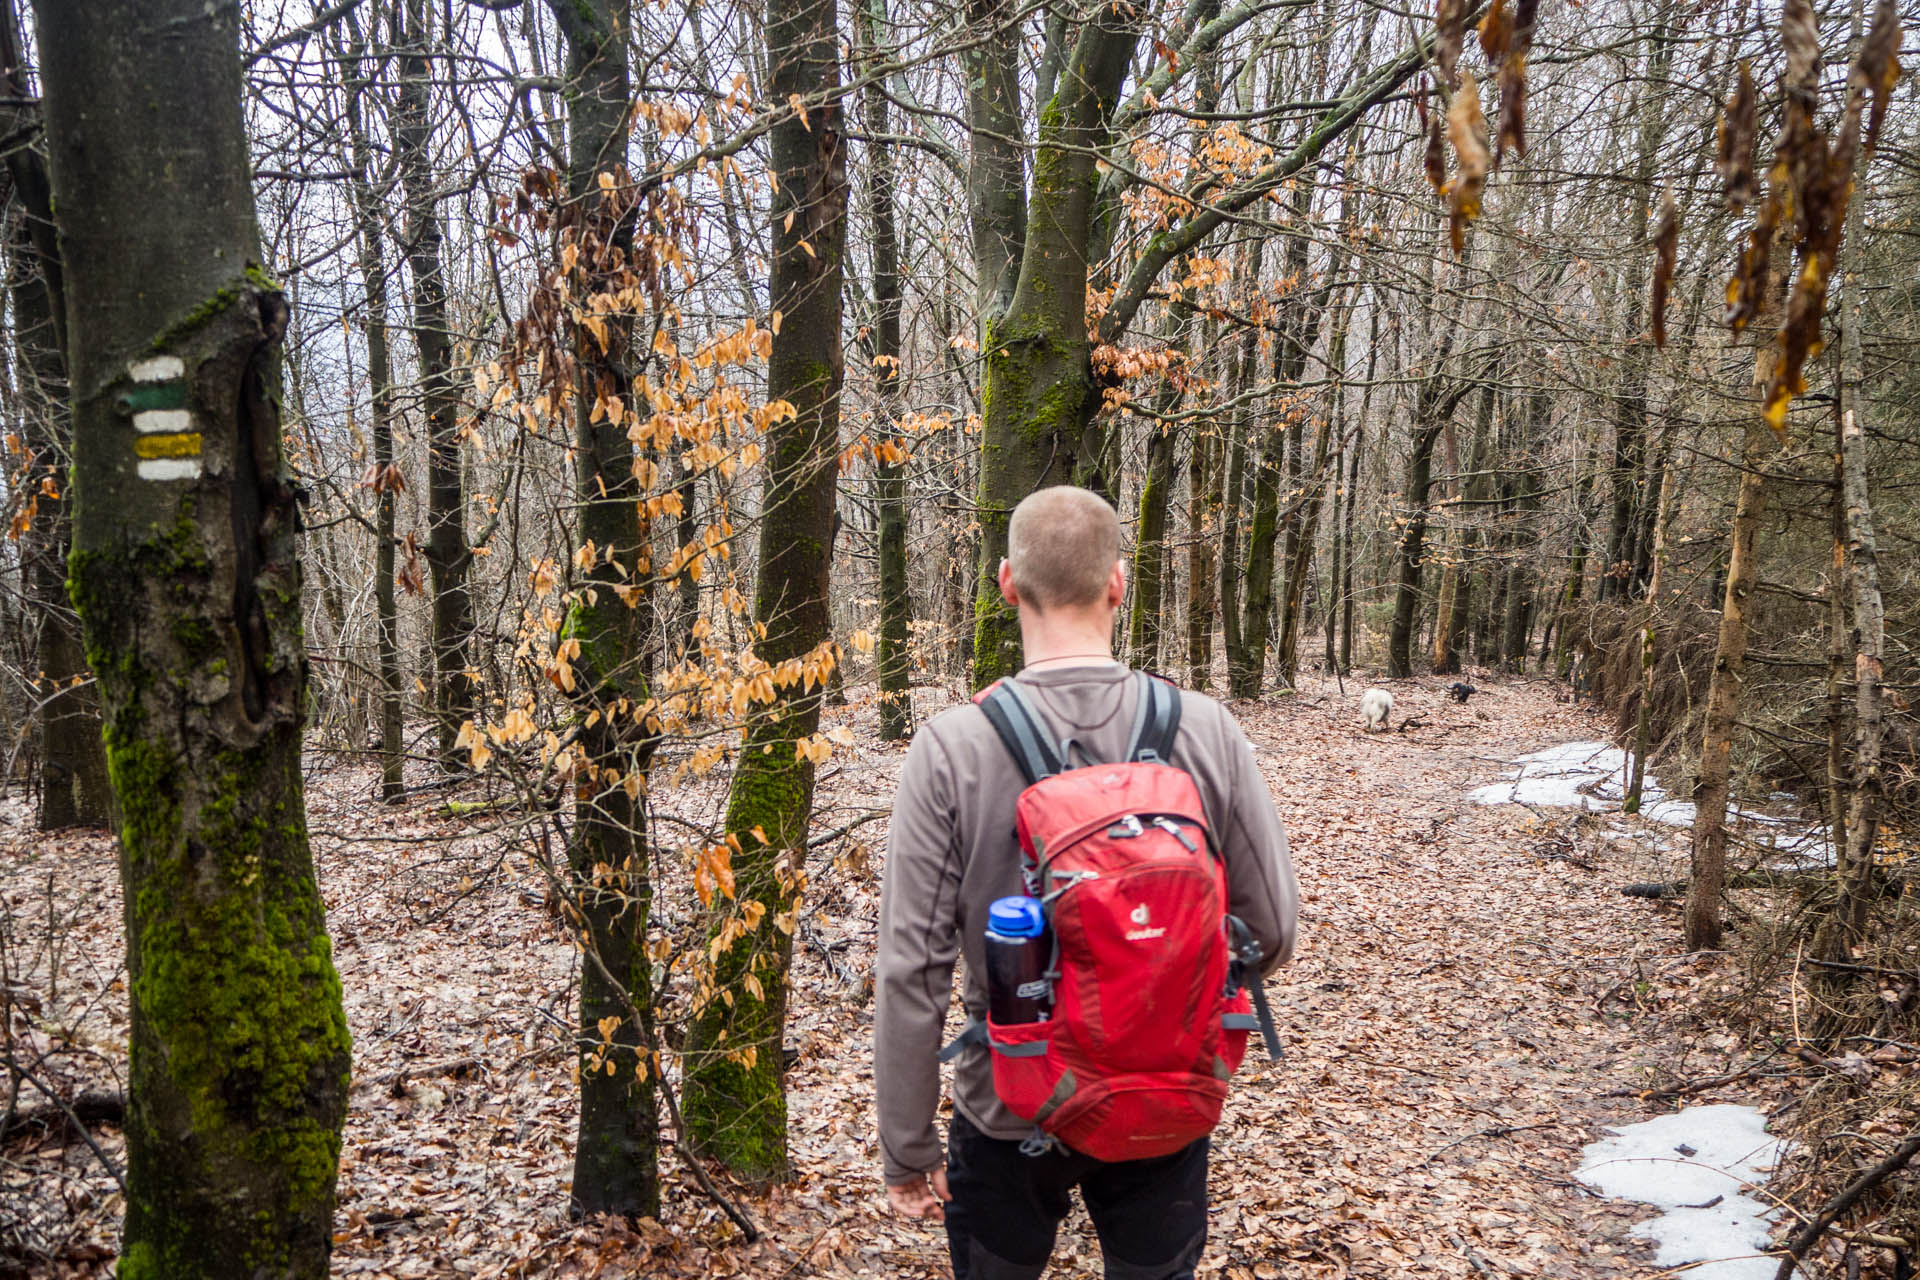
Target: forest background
{"x":632,"y":383}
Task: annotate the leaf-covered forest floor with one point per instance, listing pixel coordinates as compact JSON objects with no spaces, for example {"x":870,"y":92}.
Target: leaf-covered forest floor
{"x":1472,"y":1002}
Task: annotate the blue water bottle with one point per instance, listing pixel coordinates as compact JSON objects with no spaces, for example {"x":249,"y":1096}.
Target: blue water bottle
{"x":1018,"y":951}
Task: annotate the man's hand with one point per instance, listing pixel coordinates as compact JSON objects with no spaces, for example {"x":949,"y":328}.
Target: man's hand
{"x":921,"y":1196}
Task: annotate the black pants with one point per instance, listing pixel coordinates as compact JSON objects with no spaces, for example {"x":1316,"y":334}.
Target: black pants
{"x":1151,"y":1215}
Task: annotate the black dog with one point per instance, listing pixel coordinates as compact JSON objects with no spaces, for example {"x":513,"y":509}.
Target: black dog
{"x":1460,"y":691}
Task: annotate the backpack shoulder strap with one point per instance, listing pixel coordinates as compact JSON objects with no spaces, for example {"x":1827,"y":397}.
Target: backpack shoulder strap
{"x":1156,"y":721}
{"x":1019,"y":725}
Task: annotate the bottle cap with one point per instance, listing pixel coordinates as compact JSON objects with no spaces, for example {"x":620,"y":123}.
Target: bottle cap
{"x":1016,"y":918}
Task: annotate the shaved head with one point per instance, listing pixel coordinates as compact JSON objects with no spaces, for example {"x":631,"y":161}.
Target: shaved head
{"x":1062,"y":544}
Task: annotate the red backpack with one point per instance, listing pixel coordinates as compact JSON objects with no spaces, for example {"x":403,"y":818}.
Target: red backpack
{"x":1150,"y":975}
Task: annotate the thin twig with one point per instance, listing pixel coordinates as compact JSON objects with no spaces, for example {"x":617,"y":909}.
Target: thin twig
{"x":74,"y":1120}
{"x":1803,"y":1239}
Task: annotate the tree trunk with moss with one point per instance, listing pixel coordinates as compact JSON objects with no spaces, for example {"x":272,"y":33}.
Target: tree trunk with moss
{"x":386,"y":477}
{"x":996,"y":157}
{"x":1455,"y":600}
{"x":1570,"y":594}
{"x":186,"y":575}
{"x":1145,"y":615}
{"x":1239,"y":425}
{"x":1150,"y":549}
{"x":1342,"y":660}
{"x":735,"y":1099}
{"x":1433,"y":407}
{"x":1204,"y":484}
{"x":74,"y":789}
{"x":1039,"y":391}
{"x":610,"y":891}
{"x":1410,"y":552}
{"x":1307,"y":534}
{"x":448,"y":557}
{"x":1300,"y":315}
{"x":892,"y":657}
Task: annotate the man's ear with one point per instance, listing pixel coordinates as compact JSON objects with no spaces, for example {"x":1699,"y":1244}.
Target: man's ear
{"x":1117,"y":585}
{"x":1005,"y":579}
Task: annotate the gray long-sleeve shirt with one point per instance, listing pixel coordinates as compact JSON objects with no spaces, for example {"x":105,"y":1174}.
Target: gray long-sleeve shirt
{"x":951,"y":850}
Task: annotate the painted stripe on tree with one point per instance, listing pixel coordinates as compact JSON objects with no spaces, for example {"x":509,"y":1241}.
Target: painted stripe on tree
{"x":157,"y":369}
{"x":185,"y":444}
{"x":170,"y":469}
{"x":154,"y":421}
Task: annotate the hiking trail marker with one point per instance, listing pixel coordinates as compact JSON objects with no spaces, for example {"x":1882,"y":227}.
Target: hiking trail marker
{"x":166,"y":445}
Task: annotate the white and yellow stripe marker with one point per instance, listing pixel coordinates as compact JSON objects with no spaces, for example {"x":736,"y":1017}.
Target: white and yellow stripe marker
{"x":167,"y":446}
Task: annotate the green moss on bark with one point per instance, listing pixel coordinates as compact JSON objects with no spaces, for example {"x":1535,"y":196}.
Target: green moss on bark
{"x":239,"y":1052}
{"x":736,"y":1111}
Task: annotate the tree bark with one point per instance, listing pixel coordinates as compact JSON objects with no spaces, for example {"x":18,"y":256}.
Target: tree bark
{"x":1353,"y":492}
{"x":1866,"y":794}
{"x":1293,"y":599}
{"x":996,"y":177}
{"x":1300,"y":316}
{"x":1039,"y":392}
{"x":1150,"y":548}
{"x":1570,"y":593}
{"x":1865,"y":789}
{"x":1517,"y":625}
{"x":74,"y":787}
{"x":735,"y":1101}
{"x":386,"y":477}
{"x":1456,"y":582}
{"x":1411,"y":548}
{"x":1650,"y":646}
{"x":448,"y":558}
{"x":1630,"y":423}
{"x":1239,"y":424}
{"x":1144,"y":622}
{"x":892,"y":655}
{"x":186,"y":575}
{"x":1205,"y":481}
{"x":615,"y":1160}
{"x":1710,"y":792}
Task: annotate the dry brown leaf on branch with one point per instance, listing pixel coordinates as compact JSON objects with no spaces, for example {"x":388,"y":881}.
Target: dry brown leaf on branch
{"x":1800,"y":341}
{"x":1800,"y":37}
{"x":1467,"y":130}
{"x":1450,"y":18}
{"x":1435,"y":158}
{"x":1525,"y":13}
{"x":1747,"y":290}
{"x":1513,"y":106}
{"x":1496,"y":31}
{"x":1738,"y":125}
{"x":1514,"y":43}
{"x":1666,"y":253}
{"x":1877,"y":68}
{"x":1794,"y":154}
{"x":1821,"y":178}
{"x":1804,"y":178}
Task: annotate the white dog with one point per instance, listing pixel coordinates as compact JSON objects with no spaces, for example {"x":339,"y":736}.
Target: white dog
{"x":1376,"y":707}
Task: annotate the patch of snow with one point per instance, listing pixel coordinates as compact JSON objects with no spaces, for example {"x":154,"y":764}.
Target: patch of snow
{"x":1566,"y":776}
{"x":1593,"y":776}
{"x":1730,"y":1149}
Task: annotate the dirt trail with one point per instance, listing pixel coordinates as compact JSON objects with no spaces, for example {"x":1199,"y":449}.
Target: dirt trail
{"x":1463,"y":1004}
{"x":1464,"y":1001}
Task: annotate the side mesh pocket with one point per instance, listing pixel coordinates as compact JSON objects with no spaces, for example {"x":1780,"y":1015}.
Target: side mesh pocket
{"x":1027,"y":1074}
